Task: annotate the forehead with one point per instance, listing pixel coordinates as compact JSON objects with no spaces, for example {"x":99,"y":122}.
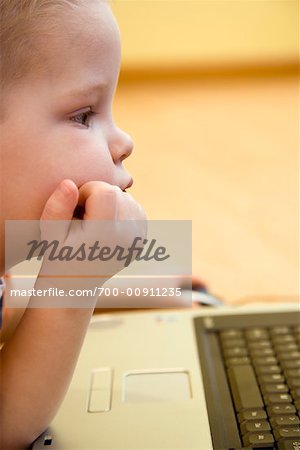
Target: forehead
{"x":85,"y":40}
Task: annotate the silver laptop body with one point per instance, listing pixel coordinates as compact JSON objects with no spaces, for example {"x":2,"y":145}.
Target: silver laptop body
{"x":138,"y":384}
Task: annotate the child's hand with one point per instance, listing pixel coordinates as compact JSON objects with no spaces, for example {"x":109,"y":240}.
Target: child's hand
{"x":100,"y":200}
{"x":109,"y":216}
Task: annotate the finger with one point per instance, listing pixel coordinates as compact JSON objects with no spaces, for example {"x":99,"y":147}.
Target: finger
{"x":129,"y":208}
{"x":99,"y":200}
{"x":61,"y":204}
{"x":58,"y":211}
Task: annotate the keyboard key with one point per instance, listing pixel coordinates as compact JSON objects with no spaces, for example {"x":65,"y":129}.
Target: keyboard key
{"x":285,"y":419}
{"x":286,"y":347}
{"x":229,"y":343}
{"x":262,"y":352}
{"x":250,"y":414}
{"x":295,"y":394}
{"x":290,"y":355}
{"x":289,"y":444}
{"x":255,"y":425}
{"x":264,"y":361}
{"x":293,"y":382}
{"x":267,"y":369}
{"x":235,"y":351}
{"x":294,"y":364}
{"x":292,"y":373}
{"x":273,"y":378}
{"x":297,"y":404}
{"x":232,"y":333}
{"x":245,"y":390}
{"x":259,"y":344}
{"x":286,"y":432}
{"x":274,"y":388}
{"x":272,"y":399}
{"x":281,"y":409}
{"x":282,"y":329}
{"x":256,"y":334}
{"x":237,"y":361}
{"x":285,"y":339}
{"x":259,"y":440}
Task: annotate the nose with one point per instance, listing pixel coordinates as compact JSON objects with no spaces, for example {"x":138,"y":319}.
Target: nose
{"x":120,"y":146}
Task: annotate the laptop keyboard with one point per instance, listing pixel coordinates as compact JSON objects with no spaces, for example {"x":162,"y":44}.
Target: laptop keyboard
{"x":263,"y":370}
{"x":260,"y":367}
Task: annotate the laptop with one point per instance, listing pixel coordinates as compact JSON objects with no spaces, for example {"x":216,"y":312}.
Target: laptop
{"x":190,"y":379}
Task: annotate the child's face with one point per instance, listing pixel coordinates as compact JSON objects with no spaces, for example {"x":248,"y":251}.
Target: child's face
{"x":50,"y":133}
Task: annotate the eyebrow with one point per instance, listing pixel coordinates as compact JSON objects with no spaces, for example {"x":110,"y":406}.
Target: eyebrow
{"x":85,"y":91}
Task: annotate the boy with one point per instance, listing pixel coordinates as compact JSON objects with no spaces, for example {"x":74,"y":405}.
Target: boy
{"x":59,"y":68}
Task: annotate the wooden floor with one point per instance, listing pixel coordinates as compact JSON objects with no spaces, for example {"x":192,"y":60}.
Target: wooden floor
{"x":223,"y":153}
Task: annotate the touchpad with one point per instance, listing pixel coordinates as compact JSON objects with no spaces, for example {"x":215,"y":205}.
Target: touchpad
{"x":157,"y":386}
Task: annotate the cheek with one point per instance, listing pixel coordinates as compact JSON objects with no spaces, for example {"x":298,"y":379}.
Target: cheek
{"x":34,"y":165}
{"x":23,"y":179}
{"x":84,"y":158}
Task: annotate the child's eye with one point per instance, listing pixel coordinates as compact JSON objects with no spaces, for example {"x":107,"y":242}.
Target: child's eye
{"x":83,"y":118}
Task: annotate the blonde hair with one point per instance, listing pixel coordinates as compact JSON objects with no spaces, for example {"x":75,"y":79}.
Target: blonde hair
{"x":22,"y":22}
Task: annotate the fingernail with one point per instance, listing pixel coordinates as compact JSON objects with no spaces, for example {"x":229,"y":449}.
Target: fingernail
{"x":66,"y":187}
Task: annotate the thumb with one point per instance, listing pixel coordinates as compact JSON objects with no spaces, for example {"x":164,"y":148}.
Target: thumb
{"x":58,"y":212}
{"x":61,"y":204}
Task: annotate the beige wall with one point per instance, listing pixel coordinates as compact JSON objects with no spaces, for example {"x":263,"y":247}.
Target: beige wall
{"x":207,"y":32}
{"x":222,"y":150}
{"x":223,"y":153}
